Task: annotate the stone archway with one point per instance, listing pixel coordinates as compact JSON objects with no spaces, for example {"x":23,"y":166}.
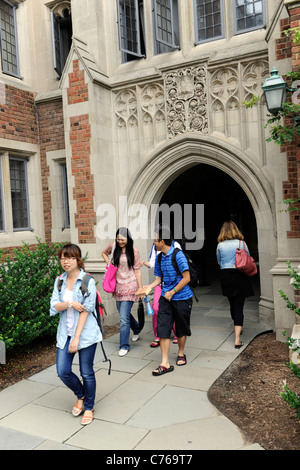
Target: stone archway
{"x":168,"y":162}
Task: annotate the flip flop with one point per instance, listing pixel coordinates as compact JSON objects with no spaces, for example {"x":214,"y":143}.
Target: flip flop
{"x":154,"y":344}
{"x":238,"y":346}
{"x":161,"y":370}
{"x":181,"y":358}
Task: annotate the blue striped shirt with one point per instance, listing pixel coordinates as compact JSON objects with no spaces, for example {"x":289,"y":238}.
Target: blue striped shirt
{"x":170,"y":276}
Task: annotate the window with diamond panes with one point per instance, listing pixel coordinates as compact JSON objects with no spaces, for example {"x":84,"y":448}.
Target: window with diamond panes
{"x":19,"y":193}
{"x":209,"y":20}
{"x":8,"y":39}
{"x":249,"y":15}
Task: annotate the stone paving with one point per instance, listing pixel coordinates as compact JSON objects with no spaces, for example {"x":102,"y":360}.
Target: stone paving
{"x":135,"y":410}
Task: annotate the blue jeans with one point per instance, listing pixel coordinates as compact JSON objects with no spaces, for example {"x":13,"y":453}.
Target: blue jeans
{"x":127,"y":321}
{"x":64,"y":360}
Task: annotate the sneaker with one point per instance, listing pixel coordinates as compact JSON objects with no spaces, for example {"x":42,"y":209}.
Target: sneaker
{"x":134,"y":338}
{"x":123,"y":352}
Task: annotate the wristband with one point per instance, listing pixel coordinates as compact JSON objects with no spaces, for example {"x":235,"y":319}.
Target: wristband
{"x":175,"y":290}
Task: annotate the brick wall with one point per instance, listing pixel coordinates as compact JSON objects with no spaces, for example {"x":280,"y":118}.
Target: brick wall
{"x":21,"y":120}
{"x":287,"y":49}
{"x":80,"y":135}
{"x":17,"y":115}
{"x":51,"y":137}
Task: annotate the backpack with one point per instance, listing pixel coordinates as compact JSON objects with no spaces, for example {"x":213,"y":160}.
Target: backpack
{"x":194,"y":272}
{"x":99,"y":308}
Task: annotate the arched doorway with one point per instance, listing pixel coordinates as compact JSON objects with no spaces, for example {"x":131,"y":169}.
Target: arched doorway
{"x":223,"y":199}
{"x":183,"y":154}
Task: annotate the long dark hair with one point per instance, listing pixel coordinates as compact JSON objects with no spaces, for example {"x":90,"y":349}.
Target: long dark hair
{"x":129,"y":248}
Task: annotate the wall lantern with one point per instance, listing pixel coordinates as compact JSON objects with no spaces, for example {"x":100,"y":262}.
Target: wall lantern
{"x":275,"y":89}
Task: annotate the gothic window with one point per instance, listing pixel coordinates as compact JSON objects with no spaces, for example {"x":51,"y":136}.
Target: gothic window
{"x":66,"y":211}
{"x":61,"y":38}
{"x":249,"y":15}
{"x":19,"y":193}
{"x":166,"y":26}
{"x":131,"y":29}
{"x":8,"y":39}
{"x":209,"y":20}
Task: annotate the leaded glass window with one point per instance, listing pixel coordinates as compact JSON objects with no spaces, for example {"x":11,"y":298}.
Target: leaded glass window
{"x":209,"y":20}
{"x":19,"y":193}
{"x":8,"y":39}
{"x":249,"y":15}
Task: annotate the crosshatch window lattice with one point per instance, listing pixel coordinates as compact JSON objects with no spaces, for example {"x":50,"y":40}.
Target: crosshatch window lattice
{"x":9,"y":54}
{"x":209,"y":19}
{"x":129,"y":26}
{"x":249,"y":14}
{"x":19,"y":199}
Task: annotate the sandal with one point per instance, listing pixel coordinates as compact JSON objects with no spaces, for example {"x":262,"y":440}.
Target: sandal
{"x":85,"y":420}
{"x":175,"y":341}
{"x":76,"y":411}
{"x":238,"y":346}
{"x":182,"y":359}
{"x":155,"y":343}
{"x":161,"y":370}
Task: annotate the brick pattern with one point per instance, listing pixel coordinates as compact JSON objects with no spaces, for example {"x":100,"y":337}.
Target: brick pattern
{"x":285,"y":48}
{"x":78,"y":89}
{"x":21,"y":120}
{"x":17,"y":115}
{"x":80,"y":135}
{"x":52,"y":137}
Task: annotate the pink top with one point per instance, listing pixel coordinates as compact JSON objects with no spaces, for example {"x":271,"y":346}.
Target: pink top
{"x":126,"y":284}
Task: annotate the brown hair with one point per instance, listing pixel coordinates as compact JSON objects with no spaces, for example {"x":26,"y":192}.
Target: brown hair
{"x":71,"y":251}
{"x":229,"y":231}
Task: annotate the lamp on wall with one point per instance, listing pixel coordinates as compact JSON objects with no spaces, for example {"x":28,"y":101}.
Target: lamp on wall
{"x":276,"y":89}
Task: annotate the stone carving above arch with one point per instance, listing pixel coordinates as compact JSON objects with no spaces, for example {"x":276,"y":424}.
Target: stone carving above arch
{"x":126,"y":106}
{"x":153,"y":100}
{"x":254,"y":76}
{"x":186,"y":101}
{"x":224,"y":84}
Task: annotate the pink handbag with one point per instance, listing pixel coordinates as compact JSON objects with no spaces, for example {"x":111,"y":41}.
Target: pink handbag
{"x":109,"y":280}
{"x":244,"y":262}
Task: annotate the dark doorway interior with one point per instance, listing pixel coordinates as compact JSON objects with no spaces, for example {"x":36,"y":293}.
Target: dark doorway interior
{"x":223,"y":200}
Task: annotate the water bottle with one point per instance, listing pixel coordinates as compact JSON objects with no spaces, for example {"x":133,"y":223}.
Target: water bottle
{"x":148,"y":306}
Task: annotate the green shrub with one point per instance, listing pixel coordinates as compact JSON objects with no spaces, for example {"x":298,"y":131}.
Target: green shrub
{"x":26,"y":285}
{"x":292,"y":398}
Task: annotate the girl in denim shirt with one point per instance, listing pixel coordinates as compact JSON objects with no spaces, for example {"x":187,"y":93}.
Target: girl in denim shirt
{"x":77,"y":330}
{"x":236,"y":286}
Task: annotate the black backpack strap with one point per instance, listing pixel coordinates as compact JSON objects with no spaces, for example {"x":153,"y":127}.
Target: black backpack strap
{"x":85,"y":282}
{"x":59,"y":283}
{"x":174,"y":262}
{"x":84,"y":288}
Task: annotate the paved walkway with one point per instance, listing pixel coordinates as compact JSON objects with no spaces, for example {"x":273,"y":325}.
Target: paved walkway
{"x":134,"y":410}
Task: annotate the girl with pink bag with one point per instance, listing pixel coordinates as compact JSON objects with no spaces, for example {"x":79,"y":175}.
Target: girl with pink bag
{"x":235,"y":284}
{"x":128,"y":279}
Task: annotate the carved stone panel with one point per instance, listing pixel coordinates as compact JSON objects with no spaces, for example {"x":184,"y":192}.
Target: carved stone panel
{"x":186,"y":101}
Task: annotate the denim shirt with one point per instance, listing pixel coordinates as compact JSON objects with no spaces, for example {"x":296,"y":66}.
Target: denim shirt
{"x":91,"y":333}
{"x":226,"y":252}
